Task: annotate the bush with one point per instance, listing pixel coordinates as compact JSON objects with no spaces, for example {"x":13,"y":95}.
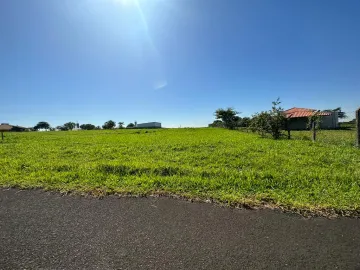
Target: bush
{"x":271,"y":122}
{"x":260,"y":123}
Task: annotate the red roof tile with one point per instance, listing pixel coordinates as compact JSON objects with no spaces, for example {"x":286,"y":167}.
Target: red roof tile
{"x":303,"y":112}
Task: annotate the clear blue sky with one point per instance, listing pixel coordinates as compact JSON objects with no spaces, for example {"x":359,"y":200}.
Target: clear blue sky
{"x":174,"y":61}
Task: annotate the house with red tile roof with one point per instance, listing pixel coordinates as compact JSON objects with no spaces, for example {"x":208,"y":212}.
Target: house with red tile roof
{"x":299,"y":117}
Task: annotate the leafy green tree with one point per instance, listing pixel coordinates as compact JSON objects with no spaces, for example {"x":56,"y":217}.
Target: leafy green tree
{"x":228,"y":117}
{"x":87,"y":127}
{"x":271,"y":122}
{"x":237,"y":121}
{"x":260,"y":123}
{"x":121,"y":125}
{"x":341,"y":114}
{"x":245,"y":122}
{"x":42,"y":125}
{"x":278,"y":119}
{"x":70,"y":125}
{"x":109,"y":125}
{"x":131,"y":125}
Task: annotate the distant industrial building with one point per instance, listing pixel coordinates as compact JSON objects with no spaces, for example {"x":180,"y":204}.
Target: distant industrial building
{"x":148,"y":125}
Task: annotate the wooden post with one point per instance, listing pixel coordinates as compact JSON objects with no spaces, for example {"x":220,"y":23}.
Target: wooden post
{"x":2,"y":135}
{"x":358,"y":128}
{"x":314,"y":131}
{"x":287,"y":126}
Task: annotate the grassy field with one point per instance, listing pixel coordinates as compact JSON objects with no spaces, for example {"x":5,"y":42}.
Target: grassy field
{"x":330,"y":137}
{"x":228,"y":166}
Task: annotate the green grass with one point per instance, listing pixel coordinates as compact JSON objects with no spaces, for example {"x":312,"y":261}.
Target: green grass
{"x":227,"y":166}
{"x":330,"y":137}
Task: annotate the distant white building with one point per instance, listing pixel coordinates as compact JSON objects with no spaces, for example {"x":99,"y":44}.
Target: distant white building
{"x":148,"y":125}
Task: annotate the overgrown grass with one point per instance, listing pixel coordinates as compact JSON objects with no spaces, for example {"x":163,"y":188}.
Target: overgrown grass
{"x":228,"y":166}
{"x":330,"y":137}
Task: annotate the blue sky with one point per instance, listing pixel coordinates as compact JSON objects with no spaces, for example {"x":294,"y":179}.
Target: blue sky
{"x":174,"y":61}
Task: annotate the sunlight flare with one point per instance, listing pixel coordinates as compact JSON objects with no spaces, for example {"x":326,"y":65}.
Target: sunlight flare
{"x":126,"y":2}
{"x":159,"y":80}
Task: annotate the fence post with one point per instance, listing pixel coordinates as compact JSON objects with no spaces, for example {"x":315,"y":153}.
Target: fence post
{"x":2,"y":135}
{"x":288,"y":128}
{"x":314,"y":131}
{"x":358,"y":128}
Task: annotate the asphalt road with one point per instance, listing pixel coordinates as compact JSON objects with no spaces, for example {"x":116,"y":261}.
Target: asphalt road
{"x":46,"y":230}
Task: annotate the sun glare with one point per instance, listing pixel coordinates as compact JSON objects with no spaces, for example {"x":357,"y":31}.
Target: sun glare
{"x":126,"y":2}
{"x":159,"y":80}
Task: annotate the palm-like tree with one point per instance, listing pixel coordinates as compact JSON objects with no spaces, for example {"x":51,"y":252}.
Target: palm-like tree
{"x":341,"y":114}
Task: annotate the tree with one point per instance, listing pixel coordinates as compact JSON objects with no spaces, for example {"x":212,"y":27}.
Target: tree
{"x":237,"y":121}
{"x":271,"y":122}
{"x":87,"y":127}
{"x":121,"y":125}
{"x":109,"y":125}
{"x":217,"y":123}
{"x":245,"y":122}
{"x":42,"y":125}
{"x":278,"y":119}
{"x":131,"y":125}
{"x":228,"y":117}
{"x":260,"y":123}
{"x":70,"y":125}
{"x":341,"y":114}
{"x":62,"y":128}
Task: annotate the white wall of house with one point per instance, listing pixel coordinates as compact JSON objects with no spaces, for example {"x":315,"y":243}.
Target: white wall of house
{"x":330,"y":121}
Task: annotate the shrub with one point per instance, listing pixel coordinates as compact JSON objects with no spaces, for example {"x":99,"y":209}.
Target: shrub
{"x":271,"y":122}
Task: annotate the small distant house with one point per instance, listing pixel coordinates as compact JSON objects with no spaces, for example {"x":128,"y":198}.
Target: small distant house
{"x":8,"y":127}
{"x":148,"y":125}
{"x":299,"y":117}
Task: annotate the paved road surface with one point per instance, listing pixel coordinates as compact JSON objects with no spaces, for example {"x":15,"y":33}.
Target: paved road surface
{"x":46,"y":230}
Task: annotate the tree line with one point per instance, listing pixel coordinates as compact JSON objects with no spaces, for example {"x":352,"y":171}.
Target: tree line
{"x":271,"y":122}
{"x":42,"y":125}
